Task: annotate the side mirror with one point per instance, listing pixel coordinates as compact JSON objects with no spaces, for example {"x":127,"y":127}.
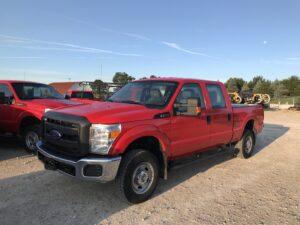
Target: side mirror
{"x":191,"y":108}
{"x":2,"y":98}
{"x":68,"y":97}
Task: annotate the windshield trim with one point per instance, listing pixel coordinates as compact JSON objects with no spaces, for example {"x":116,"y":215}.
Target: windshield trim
{"x":150,"y":105}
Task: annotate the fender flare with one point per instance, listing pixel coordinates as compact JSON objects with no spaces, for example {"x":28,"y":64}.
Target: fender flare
{"x":135,"y":133}
{"x":24,"y":115}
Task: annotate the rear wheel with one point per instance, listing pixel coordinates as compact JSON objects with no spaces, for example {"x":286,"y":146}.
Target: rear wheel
{"x":245,"y":146}
{"x":30,"y":136}
{"x":138,"y":175}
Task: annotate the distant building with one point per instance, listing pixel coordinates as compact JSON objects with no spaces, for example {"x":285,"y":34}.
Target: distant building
{"x":63,"y":87}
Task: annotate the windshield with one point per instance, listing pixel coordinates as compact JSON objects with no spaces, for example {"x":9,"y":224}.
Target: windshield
{"x":148,"y":93}
{"x":82,"y":94}
{"x":26,"y":91}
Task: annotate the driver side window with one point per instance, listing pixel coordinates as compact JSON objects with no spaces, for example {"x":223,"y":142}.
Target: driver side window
{"x":6,"y":92}
{"x":187,"y":91}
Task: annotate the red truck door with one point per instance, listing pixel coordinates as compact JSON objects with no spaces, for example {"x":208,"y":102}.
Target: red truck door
{"x":189,"y":133}
{"x":6,"y":119}
{"x":219,"y":115}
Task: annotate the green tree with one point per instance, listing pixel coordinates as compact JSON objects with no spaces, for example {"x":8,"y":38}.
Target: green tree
{"x":99,"y":89}
{"x":245,"y":87}
{"x":122,"y":78}
{"x":234,"y":83}
{"x":232,"y":86}
{"x":273,"y":86}
{"x":297,"y":90}
{"x":153,"y":76}
{"x":254,"y":80}
{"x":292,"y":84}
{"x":260,"y":85}
{"x":280,"y":91}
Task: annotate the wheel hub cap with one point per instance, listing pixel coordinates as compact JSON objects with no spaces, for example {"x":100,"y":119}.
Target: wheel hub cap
{"x":31,"y":140}
{"x":248,"y":146}
{"x":142,"y":178}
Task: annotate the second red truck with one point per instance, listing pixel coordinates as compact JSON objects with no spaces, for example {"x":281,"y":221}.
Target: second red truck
{"x":22,"y":105}
{"x":134,"y":135}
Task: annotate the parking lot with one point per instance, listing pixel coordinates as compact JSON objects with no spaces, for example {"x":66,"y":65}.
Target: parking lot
{"x":264,"y":189}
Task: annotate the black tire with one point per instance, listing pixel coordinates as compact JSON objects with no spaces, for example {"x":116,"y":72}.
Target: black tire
{"x":33,"y":133}
{"x":133,"y":164}
{"x":244,"y":147}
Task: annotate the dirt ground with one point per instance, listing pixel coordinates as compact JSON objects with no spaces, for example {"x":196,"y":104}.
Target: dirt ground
{"x":264,"y":189}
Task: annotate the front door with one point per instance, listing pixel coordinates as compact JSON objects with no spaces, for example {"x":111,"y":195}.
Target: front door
{"x":5,"y":109}
{"x":189,"y":134}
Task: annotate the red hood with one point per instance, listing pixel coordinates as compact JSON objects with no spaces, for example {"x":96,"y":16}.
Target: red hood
{"x":109,"y":113}
{"x":50,"y":103}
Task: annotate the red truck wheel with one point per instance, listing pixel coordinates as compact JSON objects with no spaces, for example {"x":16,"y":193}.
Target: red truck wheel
{"x":138,"y":175}
{"x":246,"y":145}
{"x":30,"y":136}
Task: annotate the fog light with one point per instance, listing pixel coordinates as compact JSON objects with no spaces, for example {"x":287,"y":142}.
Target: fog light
{"x":92,"y":171}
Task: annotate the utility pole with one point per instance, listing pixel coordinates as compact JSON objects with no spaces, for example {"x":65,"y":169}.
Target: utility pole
{"x":100,"y":71}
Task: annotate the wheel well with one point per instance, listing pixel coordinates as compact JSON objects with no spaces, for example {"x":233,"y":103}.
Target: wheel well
{"x":250,"y":126}
{"x":153,"y":145}
{"x":28,"y":121}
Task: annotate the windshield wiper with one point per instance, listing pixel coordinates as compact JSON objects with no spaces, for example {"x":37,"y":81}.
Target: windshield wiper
{"x":131,"y":102}
{"x":52,"y":97}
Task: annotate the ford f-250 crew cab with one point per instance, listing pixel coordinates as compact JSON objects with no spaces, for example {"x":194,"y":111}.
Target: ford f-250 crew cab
{"x":22,"y":105}
{"x":141,"y":128}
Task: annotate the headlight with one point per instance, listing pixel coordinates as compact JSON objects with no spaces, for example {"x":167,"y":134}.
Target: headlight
{"x":47,"y":109}
{"x":102,"y":137}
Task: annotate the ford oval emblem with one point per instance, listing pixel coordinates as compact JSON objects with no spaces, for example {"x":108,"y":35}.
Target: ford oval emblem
{"x":54,"y":134}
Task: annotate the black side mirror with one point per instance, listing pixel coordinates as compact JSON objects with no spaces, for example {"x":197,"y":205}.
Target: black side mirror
{"x":191,"y":108}
{"x":68,"y":97}
{"x":2,"y":98}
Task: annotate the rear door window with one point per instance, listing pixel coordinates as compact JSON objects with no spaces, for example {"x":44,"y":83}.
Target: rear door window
{"x":216,"y":96}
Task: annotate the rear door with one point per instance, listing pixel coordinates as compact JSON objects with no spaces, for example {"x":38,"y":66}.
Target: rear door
{"x":189,"y":133}
{"x":6,"y":113}
{"x":220,"y":116}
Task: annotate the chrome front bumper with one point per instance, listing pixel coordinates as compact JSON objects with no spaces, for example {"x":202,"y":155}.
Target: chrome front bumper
{"x":108,"y":166}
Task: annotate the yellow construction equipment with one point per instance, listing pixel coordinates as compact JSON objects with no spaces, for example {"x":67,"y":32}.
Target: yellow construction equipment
{"x":249,"y":98}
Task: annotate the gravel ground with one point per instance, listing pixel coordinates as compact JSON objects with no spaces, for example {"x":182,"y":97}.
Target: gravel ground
{"x":264,"y":189}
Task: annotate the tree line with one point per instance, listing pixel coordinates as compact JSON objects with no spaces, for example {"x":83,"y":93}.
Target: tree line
{"x":276,"y":89}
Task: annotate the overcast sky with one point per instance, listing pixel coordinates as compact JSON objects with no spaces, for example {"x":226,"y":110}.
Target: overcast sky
{"x":59,"y":40}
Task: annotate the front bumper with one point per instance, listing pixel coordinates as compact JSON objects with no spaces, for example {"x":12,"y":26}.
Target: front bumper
{"x":89,"y":168}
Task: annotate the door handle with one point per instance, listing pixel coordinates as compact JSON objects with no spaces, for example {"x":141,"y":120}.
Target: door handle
{"x":229,"y":117}
{"x":208,"y":119}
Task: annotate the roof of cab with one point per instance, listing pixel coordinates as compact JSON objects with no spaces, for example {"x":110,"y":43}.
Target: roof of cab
{"x":177,"y":79}
{"x":17,"y":81}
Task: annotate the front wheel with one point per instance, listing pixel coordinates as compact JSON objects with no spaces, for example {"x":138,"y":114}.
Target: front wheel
{"x":245,"y":146}
{"x":138,"y":175}
{"x":30,"y":136}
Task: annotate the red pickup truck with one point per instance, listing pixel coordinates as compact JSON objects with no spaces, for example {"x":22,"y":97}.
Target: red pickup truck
{"x":81,"y":96}
{"x":85,"y":96}
{"x":22,"y":105}
{"x":134,"y":135}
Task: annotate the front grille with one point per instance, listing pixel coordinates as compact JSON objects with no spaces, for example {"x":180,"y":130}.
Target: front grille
{"x":66,"y":134}
{"x":61,"y":123}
